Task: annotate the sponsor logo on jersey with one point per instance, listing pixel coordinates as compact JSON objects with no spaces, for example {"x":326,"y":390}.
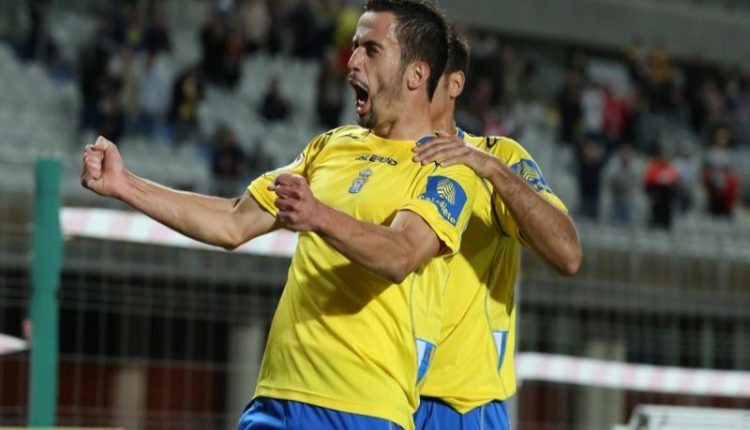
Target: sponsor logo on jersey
{"x":447,"y":196}
{"x":372,"y":158}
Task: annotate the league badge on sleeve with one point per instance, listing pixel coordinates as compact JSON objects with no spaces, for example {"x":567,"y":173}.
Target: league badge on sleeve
{"x":530,"y":172}
{"x":291,"y":166}
{"x":447,"y":195}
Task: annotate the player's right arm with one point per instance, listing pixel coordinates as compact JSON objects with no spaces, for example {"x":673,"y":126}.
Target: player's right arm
{"x":227,"y":223}
{"x":426,"y":226}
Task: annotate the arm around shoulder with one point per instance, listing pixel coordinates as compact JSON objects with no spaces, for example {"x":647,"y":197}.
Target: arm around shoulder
{"x":546,"y":228}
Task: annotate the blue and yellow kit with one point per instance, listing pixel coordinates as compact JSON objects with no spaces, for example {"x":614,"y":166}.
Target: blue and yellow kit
{"x":342,"y":336}
{"x":473,"y":364}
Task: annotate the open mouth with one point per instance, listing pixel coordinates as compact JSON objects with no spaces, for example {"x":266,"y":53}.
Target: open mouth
{"x":362,"y":96}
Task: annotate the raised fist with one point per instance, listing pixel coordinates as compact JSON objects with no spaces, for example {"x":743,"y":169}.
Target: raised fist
{"x":103,"y":170}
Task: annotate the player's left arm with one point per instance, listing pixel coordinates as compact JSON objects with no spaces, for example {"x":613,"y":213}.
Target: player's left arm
{"x":546,"y":228}
{"x":393,"y":251}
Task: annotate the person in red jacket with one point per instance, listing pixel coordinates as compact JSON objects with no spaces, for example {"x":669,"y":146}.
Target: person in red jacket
{"x":661,"y":184}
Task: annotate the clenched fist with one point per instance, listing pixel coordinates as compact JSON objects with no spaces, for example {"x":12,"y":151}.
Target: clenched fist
{"x":299,"y":210}
{"x":103,"y":170}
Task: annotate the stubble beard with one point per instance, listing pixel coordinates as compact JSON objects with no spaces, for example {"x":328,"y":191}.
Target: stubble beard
{"x":390,"y":94}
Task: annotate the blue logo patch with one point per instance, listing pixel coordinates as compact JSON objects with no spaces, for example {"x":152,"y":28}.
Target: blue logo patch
{"x":529,"y":172}
{"x":447,"y":195}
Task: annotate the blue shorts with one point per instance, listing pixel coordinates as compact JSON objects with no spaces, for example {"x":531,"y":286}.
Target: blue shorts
{"x":264,"y":413}
{"x":434,"y":414}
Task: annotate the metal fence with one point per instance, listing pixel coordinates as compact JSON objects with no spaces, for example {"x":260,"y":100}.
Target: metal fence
{"x":146,"y":332}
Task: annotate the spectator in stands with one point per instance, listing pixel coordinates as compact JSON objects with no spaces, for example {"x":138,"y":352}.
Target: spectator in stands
{"x":578,"y":61}
{"x":276,"y":106}
{"x":153,"y":97}
{"x":255,"y":22}
{"x":663,"y":94}
{"x":592,"y":105}
{"x":129,"y":75}
{"x":513,"y":71}
{"x":94,"y":76}
{"x":716,"y":106}
{"x":39,"y":44}
{"x":661,"y":183}
{"x":487,"y":63}
{"x":214,"y":47}
{"x":697,"y":73}
{"x":343,"y":31}
{"x":309,"y":29}
{"x":156,"y":38}
{"x":528,"y":86}
{"x":186,"y":96}
{"x":636,"y":109}
{"x":688,"y":173}
{"x":129,"y":29}
{"x":742,"y":115}
{"x":280,"y":31}
{"x":231,"y":70}
{"x":331,"y":87}
{"x":614,"y":114}
{"x":500,"y":121}
{"x":112,"y":121}
{"x":223,"y":39}
{"x":623,"y":182}
{"x":229,"y":163}
{"x":569,"y":107}
{"x":637,"y":60}
{"x":472,"y":114}
{"x":590,"y":162}
{"x":721,"y":183}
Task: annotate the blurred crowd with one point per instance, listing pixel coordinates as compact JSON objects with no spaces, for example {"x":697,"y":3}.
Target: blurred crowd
{"x":608,"y":132}
{"x":124,"y":92}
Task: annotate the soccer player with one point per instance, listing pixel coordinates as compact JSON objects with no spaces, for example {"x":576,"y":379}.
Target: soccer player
{"x":472,"y":372}
{"x":361,"y":309}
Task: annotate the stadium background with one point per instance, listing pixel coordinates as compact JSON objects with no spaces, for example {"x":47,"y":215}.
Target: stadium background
{"x":158,"y":334}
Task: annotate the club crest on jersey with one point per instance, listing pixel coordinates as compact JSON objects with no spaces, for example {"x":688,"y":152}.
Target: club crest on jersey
{"x":447,"y":196}
{"x":360,"y":181}
{"x":529,"y":172}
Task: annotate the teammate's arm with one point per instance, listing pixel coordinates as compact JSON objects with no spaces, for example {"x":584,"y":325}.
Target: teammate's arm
{"x":393,"y":251}
{"x":549,"y":231}
{"x":213,"y":220}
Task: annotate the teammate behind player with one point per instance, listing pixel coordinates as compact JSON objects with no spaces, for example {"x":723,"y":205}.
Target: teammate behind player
{"x":472,"y":374}
{"x":361,"y":309}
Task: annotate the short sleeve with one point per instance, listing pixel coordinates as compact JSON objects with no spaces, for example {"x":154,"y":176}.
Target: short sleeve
{"x":445,"y":199}
{"x":522,"y":164}
{"x":301,"y":165}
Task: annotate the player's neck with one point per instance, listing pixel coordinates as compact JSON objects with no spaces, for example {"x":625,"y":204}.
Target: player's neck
{"x":411,"y":123}
{"x":446,"y":123}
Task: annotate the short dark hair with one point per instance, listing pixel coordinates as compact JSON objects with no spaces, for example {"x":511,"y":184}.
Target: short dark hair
{"x":422,"y":34}
{"x":458,"y":50}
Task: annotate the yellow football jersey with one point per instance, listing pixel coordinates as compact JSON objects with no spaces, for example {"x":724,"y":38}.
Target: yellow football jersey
{"x":342,"y":336}
{"x":473,"y":364}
